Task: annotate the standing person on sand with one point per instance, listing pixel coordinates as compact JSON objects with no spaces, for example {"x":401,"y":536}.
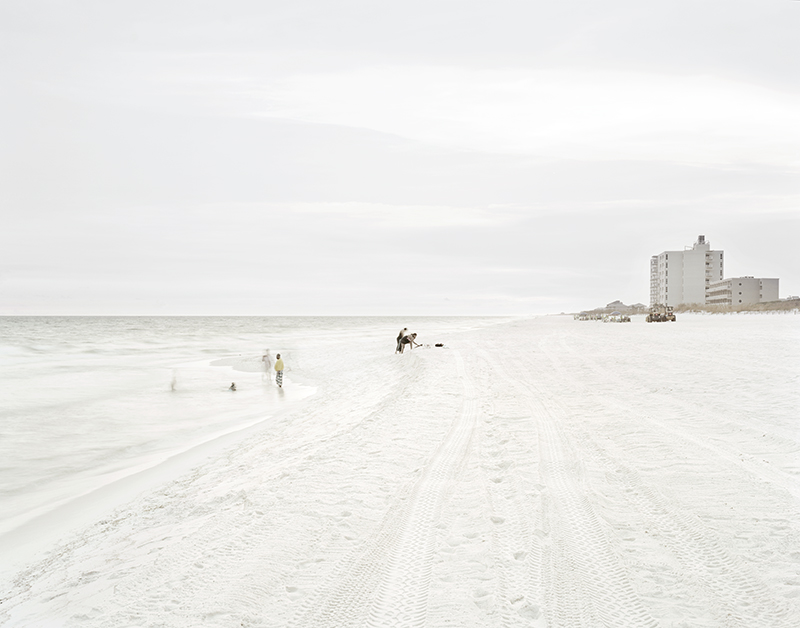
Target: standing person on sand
{"x":400,"y":336}
{"x":279,"y":371}
{"x":409,"y":340}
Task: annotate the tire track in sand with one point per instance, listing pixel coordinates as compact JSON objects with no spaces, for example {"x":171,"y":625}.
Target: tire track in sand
{"x":385,"y":583}
{"x":585,"y":582}
{"x":728,"y":586}
{"x":765,"y":473}
{"x":584,"y":562}
{"x":508,"y":445}
{"x":722,"y":582}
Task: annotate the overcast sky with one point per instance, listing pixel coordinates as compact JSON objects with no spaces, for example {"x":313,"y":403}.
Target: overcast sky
{"x":363,"y":157}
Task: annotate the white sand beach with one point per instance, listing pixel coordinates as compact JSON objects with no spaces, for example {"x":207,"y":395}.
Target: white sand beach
{"x":536,"y":472}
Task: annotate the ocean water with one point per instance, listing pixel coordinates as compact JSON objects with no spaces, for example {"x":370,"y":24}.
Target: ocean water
{"x":86,"y":401}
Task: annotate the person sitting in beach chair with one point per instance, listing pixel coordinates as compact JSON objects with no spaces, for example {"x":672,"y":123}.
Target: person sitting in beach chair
{"x":408,"y":340}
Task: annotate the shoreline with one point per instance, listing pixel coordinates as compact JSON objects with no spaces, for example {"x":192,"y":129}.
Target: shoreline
{"x":33,"y":533}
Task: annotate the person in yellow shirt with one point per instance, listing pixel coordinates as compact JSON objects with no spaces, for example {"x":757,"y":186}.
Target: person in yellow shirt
{"x":279,"y":370}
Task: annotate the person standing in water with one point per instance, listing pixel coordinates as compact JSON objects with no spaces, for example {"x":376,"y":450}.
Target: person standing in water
{"x":267,"y":363}
{"x":279,"y":371}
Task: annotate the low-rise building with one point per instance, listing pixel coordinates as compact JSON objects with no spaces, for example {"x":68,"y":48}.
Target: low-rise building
{"x":741,"y":291}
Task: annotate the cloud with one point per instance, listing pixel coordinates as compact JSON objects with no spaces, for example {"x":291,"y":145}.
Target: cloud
{"x":552,"y":114}
{"x":311,"y":157}
{"x":407,"y":217}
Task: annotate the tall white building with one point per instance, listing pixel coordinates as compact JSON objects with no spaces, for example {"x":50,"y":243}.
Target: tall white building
{"x":740,"y":291}
{"x":678,"y":277}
